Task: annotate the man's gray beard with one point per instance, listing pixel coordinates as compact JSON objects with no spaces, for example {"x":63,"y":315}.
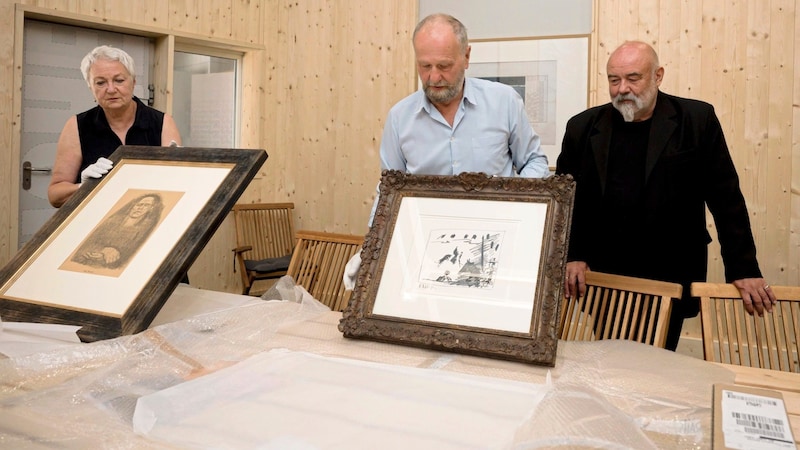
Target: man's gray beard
{"x":441,"y":96}
{"x":627,"y":110}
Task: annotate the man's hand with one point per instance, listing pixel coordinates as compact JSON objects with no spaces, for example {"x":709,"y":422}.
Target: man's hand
{"x":96,"y":170}
{"x":575,"y":280}
{"x":756,"y":295}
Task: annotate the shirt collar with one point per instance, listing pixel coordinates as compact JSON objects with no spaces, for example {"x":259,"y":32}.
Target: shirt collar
{"x":469,"y":91}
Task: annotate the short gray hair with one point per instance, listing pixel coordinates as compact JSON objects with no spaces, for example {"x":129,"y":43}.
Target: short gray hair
{"x":458,"y":28}
{"x":109,"y":54}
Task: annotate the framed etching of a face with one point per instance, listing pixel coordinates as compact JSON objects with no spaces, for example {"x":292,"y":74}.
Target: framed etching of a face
{"x":111,"y":255}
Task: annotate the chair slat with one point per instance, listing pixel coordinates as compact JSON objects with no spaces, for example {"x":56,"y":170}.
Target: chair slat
{"x":619,"y":307}
{"x":318,"y":264}
{"x":769,"y":341}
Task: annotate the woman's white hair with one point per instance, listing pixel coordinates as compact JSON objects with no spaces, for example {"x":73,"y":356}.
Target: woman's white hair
{"x":109,"y":54}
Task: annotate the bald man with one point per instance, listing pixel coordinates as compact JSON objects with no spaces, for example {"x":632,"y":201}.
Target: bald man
{"x":646,"y":165}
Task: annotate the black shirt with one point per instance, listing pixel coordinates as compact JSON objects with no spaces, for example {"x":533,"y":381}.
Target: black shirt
{"x":99,"y":140}
{"x":623,"y":199}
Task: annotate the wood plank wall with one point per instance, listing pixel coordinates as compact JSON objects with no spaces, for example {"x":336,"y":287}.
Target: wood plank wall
{"x":318,"y":95}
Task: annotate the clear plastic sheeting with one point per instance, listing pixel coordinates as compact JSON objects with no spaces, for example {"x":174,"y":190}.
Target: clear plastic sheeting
{"x":84,"y":396}
{"x":283,"y":399}
{"x":604,"y":394}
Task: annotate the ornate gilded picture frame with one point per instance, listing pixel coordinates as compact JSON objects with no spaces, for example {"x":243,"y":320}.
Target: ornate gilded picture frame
{"x":110,"y":257}
{"x":469,"y":263}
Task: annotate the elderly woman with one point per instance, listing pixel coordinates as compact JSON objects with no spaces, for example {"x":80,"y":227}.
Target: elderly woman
{"x":118,"y":119}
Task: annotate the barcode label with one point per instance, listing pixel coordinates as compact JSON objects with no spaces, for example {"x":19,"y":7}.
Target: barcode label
{"x":751,"y":398}
{"x":754,"y":422}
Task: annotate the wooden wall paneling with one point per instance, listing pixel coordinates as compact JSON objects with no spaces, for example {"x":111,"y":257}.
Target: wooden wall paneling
{"x":381,"y":69}
{"x":275,"y":121}
{"x":774,"y":227}
{"x":669,"y":44}
{"x":383,"y":72}
{"x":310,"y":48}
{"x":352,"y":62}
{"x":689,"y":59}
{"x":594,"y":63}
{"x":714,"y":60}
{"x":151,"y":12}
{"x":187,"y":15}
{"x":163,"y":73}
{"x":680,"y":54}
{"x":333,"y":85}
{"x":218,"y":17}
{"x":252,"y":100}
{"x":606,"y":39}
{"x":10,"y":119}
{"x":628,"y":24}
{"x":392,"y":79}
{"x":292,"y":140}
{"x":793,"y":266}
{"x":252,"y":125}
{"x":318,"y":93}
{"x":649,"y":23}
{"x":752,"y":108}
{"x":247,"y":21}
{"x":357,"y":150}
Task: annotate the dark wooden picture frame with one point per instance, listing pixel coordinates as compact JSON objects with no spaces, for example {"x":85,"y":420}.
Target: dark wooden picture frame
{"x":154,"y":280}
{"x":411,"y":212}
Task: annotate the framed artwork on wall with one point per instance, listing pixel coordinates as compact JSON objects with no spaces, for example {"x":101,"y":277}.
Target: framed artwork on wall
{"x":550,"y":74}
{"x":111,"y":256}
{"x":468,"y":263}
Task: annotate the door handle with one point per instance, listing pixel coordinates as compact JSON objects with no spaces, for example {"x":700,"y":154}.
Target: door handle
{"x":27,"y":171}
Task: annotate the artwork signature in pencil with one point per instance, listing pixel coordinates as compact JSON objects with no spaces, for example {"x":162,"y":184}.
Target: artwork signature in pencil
{"x":462,"y":258}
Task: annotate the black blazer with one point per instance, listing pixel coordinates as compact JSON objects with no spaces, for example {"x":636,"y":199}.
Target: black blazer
{"x":687,"y":167}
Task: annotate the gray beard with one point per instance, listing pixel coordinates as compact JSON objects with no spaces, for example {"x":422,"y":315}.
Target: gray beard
{"x":441,"y":96}
{"x":627,"y":110}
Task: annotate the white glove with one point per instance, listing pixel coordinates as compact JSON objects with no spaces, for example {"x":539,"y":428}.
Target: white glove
{"x":96,"y":170}
{"x":351,"y":270}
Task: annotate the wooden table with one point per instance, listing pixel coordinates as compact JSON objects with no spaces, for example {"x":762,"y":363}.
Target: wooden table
{"x":662,"y":398}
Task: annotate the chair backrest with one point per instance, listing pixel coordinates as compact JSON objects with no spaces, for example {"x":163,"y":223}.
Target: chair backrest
{"x":620,"y":307}
{"x":267,"y":227}
{"x":732,"y":336}
{"x":318,"y":264}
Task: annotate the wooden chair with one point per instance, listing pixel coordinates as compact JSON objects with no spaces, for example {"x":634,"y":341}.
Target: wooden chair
{"x":732,"y":336}
{"x":620,"y":307}
{"x":318,"y":265}
{"x":264,"y":241}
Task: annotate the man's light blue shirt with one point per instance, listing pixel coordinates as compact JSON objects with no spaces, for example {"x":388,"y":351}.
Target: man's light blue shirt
{"x":490,"y":134}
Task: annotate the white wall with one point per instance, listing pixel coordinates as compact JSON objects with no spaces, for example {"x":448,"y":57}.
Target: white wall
{"x":492,"y":19}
